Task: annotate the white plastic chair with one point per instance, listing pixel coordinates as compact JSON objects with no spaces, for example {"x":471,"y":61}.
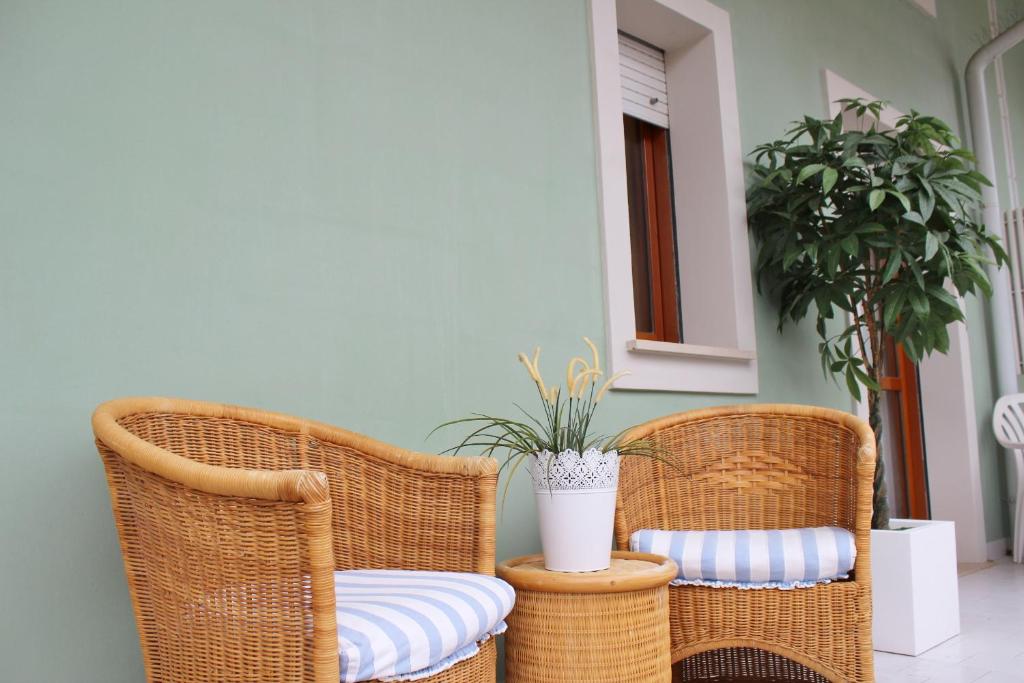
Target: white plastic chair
{"x":1008,"y":423}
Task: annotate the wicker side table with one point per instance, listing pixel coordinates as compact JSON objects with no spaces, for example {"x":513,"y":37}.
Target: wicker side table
{"x":609,"y":626}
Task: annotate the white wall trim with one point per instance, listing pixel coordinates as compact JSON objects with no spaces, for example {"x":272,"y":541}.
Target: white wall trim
{"x":927,"y":6}
{"x":947,"y":398}
{"x":951,"y":443}
{"x":997,"y":548}
{"x":710,"y":196}
{"x":695,"y":350}
{"x":838,"y":88}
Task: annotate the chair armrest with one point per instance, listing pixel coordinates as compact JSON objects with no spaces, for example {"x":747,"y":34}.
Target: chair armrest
{"x":223,"y":554}
{"x":865,"y":492}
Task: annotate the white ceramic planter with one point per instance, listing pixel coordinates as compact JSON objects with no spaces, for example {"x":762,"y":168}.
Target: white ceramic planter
{"x":576,"y":508}
{"x":914,"y":586}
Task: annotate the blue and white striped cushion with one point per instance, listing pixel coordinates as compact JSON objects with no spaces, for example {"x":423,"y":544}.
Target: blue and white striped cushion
{"x":400,"y":625}
{"x":785,"y":558}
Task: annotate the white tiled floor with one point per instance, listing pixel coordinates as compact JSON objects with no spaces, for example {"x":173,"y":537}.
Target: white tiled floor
{"x":990,"y":647}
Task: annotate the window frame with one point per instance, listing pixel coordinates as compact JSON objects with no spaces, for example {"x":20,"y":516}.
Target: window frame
{"x":716,"y":290}
{"x":660,"y":238}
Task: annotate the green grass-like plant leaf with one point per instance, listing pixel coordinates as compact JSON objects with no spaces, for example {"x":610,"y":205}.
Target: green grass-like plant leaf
{"x":566,"y":422}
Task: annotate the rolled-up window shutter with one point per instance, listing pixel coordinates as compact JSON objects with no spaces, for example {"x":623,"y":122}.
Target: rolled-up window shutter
{"x":644,"y":88}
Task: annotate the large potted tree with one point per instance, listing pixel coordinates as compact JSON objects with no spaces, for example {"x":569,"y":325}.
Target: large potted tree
{"x":874,"y":234}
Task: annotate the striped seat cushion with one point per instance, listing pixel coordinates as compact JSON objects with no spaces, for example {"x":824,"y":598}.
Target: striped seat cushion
{"x":400,"y":625}
{"x":784,"y":558}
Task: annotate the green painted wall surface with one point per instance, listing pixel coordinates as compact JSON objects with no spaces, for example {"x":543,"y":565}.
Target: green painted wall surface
{"x":356,"y":212}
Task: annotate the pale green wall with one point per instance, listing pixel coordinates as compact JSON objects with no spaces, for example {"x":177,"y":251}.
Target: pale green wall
{"x":357,"y":212}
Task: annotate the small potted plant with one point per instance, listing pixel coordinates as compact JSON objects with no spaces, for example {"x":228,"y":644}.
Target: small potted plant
{"x":575,"y":472}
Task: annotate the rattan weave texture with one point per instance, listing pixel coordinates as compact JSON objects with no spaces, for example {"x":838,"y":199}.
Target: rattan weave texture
{"x":232,"y":521}
{"x":602,"y":627}
{"x":760,"y":467}
{"x":743,"y":665}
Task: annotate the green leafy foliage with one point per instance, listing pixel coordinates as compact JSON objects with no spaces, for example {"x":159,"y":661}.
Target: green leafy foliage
{"x":869,"y":227}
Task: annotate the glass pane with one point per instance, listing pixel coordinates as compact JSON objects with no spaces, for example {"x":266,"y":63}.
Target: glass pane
{"x":892,"y":454}
{"x":640,"y":248}
{"x":668,"y":251}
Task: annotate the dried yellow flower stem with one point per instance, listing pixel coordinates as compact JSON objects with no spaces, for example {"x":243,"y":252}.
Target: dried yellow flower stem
{"x":570,"y":372}
{"x":576,"y":383}
{"x":595,"y":354}
{"x":608,"y":384}
{"x":579,"y":385}
{"x":531,"y":367}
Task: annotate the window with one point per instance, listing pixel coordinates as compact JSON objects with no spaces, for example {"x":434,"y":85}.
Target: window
{"x":651,"y":232}
{"x":649,"y":190}
{"x":903,"y":434}
{"x":679,"y":303}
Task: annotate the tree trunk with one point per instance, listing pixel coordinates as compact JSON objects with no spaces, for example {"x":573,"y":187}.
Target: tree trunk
{"x":880,"y":513}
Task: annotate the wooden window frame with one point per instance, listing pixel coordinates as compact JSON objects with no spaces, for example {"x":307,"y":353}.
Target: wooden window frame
{"x":907,"y":385}
{"x":661,"y":239}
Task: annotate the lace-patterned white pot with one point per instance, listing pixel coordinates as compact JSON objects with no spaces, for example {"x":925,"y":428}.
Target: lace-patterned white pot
{"x":576,"y":507}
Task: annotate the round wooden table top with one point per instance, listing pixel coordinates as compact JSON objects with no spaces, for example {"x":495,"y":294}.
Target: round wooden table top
{"x":628,"y":572}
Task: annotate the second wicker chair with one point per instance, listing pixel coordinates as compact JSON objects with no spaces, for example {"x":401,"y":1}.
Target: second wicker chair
{"x":760,"y":467}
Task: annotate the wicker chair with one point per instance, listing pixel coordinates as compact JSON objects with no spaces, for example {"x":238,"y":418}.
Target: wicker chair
{"x":760,"y":467}
{"x":232,"y":521}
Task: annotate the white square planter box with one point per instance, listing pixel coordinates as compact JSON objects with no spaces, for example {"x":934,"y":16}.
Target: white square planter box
{"x":914,"y":586}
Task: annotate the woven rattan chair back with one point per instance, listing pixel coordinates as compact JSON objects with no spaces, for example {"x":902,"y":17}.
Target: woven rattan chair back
{"x":744,"y":470}
{"x":225,"y":521}
{"x":760,"y":467}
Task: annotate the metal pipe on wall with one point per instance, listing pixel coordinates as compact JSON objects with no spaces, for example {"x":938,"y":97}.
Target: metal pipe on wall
{"x":981,"y":132}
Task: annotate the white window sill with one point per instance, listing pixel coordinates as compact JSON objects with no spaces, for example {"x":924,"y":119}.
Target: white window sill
{"x":689,"y":350}
{"x":663,"y":366}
